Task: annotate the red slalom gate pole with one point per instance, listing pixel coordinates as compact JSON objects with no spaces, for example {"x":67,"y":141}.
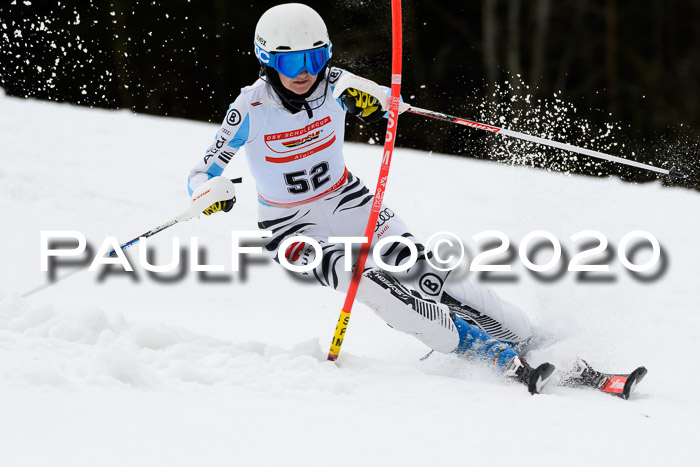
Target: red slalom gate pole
{"x":392,"y":125}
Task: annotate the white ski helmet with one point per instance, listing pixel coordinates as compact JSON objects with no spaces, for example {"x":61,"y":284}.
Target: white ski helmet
{"x":292,"y":27}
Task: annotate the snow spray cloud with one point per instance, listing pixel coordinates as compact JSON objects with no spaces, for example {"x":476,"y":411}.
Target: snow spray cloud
{"x":497,"y":254}
{"x":516,"y":106}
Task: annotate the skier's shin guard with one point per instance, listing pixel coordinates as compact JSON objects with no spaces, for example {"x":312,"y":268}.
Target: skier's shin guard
{"x":407,"y":312}
{"x":500,"y":318}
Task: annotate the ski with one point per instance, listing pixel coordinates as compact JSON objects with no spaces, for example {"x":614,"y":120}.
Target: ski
{"x":582,"y":375}
{"x":620,"y":385}
{"x":538,"y":377}
{"x":534,"y":378}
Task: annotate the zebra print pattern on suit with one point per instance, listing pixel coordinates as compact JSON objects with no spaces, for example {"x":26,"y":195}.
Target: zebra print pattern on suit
{"x":351,"y":193}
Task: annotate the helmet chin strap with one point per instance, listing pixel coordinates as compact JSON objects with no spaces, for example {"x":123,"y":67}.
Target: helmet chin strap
{"x":292,"y":101}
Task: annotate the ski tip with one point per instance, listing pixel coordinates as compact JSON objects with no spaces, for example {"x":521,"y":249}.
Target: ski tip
{"x":632,"y":380}
{"x":539,"y":378}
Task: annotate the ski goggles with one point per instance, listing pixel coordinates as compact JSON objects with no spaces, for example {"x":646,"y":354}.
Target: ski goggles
{"x":291,"y":64}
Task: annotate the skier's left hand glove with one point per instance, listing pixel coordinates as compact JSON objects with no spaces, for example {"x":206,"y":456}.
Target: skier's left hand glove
{"x":362,"y":105}
{"x":224,"y":206}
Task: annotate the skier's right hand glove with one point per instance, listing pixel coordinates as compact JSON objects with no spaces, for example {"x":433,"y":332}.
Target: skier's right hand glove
{"x":224,"y":206}
{"x":363,"y":105}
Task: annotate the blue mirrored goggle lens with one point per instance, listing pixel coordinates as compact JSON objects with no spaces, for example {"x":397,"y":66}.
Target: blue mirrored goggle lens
{"x":290,"y":64}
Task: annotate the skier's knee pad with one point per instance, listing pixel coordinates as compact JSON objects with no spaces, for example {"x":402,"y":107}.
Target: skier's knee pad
{"x":429,"y":322}
{"x":500,"y":318}
{"x":424,"y":279}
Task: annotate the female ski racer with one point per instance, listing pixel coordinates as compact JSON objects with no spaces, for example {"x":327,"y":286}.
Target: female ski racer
{"x":293,"y":132}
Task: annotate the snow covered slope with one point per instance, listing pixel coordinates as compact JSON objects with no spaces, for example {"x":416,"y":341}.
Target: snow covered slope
{"x":129,"y":369}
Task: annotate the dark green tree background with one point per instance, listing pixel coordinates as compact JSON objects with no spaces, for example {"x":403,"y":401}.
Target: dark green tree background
{"x":623,"y":77}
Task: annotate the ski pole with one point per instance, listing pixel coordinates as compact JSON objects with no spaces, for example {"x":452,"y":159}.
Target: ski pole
{"x":392,"y":124}
{"x":216,"y":189}
{"x":673,"y":173}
